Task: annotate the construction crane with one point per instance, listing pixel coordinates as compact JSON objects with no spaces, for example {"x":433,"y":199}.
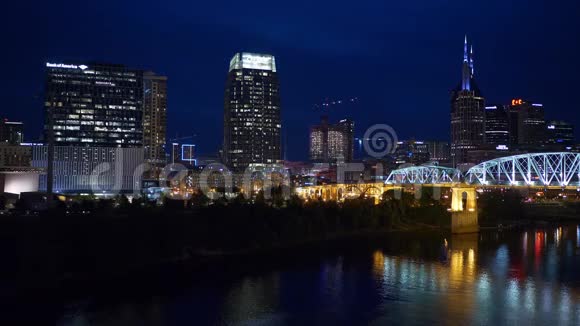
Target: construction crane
{"x":327,"y":102}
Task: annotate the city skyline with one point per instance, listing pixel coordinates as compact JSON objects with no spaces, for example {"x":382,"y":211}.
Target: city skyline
{"x":522,"y":69}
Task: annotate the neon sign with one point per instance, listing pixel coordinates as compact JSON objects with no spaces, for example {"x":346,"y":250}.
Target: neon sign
{"x":518,"y":101}
{"x":66,"y":66}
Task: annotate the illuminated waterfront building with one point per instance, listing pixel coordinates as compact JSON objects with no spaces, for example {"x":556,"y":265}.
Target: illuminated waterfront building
{"x":332,"y":142}
{"x":252,"y":125}
{"x":527,"y":123}
{"x":95,"y":112}
{"x":94,"y":105}
{"x":154,"y":117}
{"x":84,"y":169}
{"x":497,"y":125}
{"x":467,"y":112}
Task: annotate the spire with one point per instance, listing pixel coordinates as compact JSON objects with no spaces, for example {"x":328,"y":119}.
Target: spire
{"x":471,"y":66}
{"x":466,"y":70}
{"x":465,"y":55}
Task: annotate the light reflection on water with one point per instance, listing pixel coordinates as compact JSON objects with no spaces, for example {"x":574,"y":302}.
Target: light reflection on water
{"x":489,"y":278}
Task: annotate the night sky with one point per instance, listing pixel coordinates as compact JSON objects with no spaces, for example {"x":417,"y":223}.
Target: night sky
{"x":399,"y":58}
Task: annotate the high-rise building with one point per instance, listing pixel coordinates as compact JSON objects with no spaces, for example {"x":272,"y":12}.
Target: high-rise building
{"x":95,"y":112}
{"x":252,"y":125}
{"x":560,"y":132}
{"x":154,"y":117}
{"x":527,"y":123}
{"x":11,"y":132}
{"x":319,"y":141}
{"x":332,"y":142}
{"x":94,"y":105}
{"x":497,"y":125}
{"x":467,"y":112}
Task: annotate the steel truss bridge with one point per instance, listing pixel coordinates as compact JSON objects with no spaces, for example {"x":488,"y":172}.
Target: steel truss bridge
{"x":425,"y":174}
{"x":560,"y":170}
{"x":539,"y":169}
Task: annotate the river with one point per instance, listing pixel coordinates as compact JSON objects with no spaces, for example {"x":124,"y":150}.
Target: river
{"x":512,"y":277}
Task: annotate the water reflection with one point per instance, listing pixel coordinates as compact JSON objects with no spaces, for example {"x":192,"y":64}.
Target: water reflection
{"x":487,"y":278}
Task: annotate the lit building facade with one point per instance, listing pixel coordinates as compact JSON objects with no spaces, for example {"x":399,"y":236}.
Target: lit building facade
{"x":154,"y":117}
{"x":497,"y":127}
{"x":98,"y":170}
{"x":96,"y":115}
{"x":560,"y":133}
{"x":332,"y":142}
{"x":94,"y":105}
{"x":252,"y":126}
{"x":527,"y":123}
{"x":467,"y":113}
{"x":11,"y":132}
{"x":412,"y":152}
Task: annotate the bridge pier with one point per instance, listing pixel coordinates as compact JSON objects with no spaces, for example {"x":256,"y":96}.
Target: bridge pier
{"x":464,"y":216}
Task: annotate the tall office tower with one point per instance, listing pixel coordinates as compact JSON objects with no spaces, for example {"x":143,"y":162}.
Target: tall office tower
{"x":341,"y":141}
{"x":252,"y":126}
{"x":527,"y":123}
{"x":467,"y":112}
{"x":497,"y":125}
{"x":560,"y":132}
{"x":95,"y":104}
{"x":332,"y":142}
{"x":154,"y":117}
{"x":319,"y":141}
{"x":11,"y":132}
{"x":96,"y":115}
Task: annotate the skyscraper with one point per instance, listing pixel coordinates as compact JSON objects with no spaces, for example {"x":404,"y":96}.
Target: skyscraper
{"x":332,"y":142}
{"x":527,"y":123}
{"x":95,"y":104}
{"x":467,"y":112}
{"x":252,"y":124}
{"x":154,"y":117}
{"x":96,"y":115}
{"x":497,"y":125}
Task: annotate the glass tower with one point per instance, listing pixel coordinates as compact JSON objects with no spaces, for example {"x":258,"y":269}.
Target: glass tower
{"x":94,"y":105}
{"x":467,"y":113}
{"x":252,"y":124}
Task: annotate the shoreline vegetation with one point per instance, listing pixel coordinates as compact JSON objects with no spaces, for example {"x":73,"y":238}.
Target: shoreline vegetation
{"x":116,"y":238}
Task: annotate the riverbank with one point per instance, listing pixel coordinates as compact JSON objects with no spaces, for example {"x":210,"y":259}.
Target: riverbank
{"x":49,"y":252}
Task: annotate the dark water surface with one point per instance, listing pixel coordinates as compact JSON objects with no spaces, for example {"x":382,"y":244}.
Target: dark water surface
{"x":515,"y":277}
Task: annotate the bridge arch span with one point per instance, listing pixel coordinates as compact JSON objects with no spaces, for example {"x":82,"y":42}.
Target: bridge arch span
{"x":535,"y":169}
{"x":424,"y":174}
